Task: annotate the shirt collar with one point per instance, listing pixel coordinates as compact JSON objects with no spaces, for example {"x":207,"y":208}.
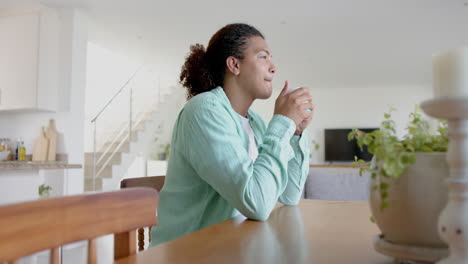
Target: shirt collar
{"x":219,"y":91}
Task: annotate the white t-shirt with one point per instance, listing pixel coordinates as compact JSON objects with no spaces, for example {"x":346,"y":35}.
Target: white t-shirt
{"x":253,"y":151}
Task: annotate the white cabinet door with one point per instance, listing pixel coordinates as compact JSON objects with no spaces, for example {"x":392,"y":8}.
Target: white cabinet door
{"x":19,"y":44}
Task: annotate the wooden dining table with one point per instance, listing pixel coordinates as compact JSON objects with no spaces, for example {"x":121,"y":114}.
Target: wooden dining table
{"x":315,"y":231}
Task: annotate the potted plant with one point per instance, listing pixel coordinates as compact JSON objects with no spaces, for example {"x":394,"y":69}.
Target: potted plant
{"x":407,"y":186}
{"x":44,"y":191}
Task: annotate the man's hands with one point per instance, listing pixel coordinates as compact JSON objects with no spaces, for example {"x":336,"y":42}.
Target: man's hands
{"x":294,"y":105}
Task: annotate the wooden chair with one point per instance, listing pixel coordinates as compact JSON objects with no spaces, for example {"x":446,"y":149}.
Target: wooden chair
{"x":34,"y":226}
{"x":155,"y":182}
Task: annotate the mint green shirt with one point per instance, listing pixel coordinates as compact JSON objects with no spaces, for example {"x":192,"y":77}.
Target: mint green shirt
{"x":211,"y":177}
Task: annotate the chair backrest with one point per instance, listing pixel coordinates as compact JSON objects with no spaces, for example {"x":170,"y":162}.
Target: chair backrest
{"x":30,"y":227}
{"x":155,"y":182}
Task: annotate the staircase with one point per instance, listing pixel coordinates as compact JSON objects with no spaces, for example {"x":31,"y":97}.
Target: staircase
{"x":127,"y":142}
{"x":120,"y":155}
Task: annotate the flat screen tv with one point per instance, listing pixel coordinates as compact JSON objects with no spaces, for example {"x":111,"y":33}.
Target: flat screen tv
{"x":338,"y":148}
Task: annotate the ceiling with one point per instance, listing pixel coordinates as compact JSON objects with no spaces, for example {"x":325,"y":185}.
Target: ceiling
{"x":319,"y":43}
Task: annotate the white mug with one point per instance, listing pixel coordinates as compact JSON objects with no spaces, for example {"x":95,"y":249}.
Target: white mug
{"x":295,"y":88}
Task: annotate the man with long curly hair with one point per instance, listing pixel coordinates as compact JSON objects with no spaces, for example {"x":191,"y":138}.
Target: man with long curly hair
{"x":224,"y":159}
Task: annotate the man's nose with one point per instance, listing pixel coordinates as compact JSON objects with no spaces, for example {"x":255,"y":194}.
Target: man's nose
{"x":272,"y":68}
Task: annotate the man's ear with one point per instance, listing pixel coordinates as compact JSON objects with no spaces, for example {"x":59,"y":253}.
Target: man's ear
{"x":233,"y":65}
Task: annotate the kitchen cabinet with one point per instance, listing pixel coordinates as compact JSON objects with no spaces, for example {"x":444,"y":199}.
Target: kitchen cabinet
{"x":29,"y":58}
{"x":20,"y":180}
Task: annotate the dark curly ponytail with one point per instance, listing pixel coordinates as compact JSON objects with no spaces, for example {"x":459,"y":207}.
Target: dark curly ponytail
{"x":204,"y":70}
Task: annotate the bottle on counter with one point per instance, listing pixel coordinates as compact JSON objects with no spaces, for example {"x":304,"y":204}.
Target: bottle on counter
{"x":17,"y":149}
{"x":5,"y":146}
{"x":22,"y":151}
{"x":8,"y":147}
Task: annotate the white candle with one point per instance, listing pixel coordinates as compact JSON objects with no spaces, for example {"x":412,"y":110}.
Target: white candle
{"x":450,"y":73}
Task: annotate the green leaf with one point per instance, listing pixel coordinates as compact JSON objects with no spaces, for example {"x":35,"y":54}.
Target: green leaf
{"x":426,"y":149}
{"x":384,"y":205}
{"x":352,"y":134}
{"x":404,"y":160}
{"x":367,"y":139}
{"x":372,"y":219}
{"x":383,"y":186}
{"x":384,"y":195}
{"x":44,"y":189}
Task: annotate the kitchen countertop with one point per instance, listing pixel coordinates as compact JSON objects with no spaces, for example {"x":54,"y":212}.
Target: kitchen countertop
{"x":18,"y":165}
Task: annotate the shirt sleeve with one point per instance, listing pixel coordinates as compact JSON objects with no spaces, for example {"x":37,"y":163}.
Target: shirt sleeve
{"x":298,"y":170}
{"x":217,"y":154}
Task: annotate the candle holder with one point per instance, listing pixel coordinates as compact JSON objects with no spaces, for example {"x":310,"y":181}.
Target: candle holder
{"x":453,"y":221}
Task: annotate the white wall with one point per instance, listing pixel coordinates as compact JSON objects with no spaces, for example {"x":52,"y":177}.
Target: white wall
{"x":167,"y":114}
{"x":107,"y":73}
{"x":69,"y":120}
{"x":354,"y":107}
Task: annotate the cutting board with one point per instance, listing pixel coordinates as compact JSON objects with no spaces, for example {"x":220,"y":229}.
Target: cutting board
{"x":52,"y":136}
{"x":41,"y":147}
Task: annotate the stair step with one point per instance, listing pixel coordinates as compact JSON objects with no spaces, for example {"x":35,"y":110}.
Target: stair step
{"x":135,"y":133}
{"x":139,"y":126}
{"x":88,"y":186}
{"x":105,"y":173}
{"x":146,"y":116}
{"x":115,"y":147}
{"x":116,"y":158}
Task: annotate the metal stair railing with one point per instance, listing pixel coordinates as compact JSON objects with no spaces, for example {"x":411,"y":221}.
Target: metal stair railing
{"x":125,"y":131}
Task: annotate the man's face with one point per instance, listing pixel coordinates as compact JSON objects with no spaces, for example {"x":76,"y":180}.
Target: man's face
{"x":257,"y":69}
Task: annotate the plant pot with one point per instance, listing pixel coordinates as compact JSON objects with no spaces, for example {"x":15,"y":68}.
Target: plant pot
{"x":416,"y":200}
